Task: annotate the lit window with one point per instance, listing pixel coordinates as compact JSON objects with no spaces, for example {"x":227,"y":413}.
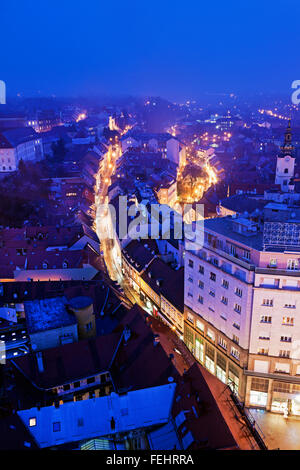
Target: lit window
{"x":32,"y":422}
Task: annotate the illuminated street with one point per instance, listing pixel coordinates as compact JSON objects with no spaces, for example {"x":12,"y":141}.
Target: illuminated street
{"x":280,"y":433}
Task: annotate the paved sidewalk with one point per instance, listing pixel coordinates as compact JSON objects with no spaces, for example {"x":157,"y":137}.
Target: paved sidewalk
{"x":280,"y":433}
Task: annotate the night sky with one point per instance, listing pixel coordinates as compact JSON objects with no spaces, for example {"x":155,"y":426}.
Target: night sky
{"x":173,"y":48}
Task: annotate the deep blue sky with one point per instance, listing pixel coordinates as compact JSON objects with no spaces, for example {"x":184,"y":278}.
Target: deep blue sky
{"x":174,"y":48}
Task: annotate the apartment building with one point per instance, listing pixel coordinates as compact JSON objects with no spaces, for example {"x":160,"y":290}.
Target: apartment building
{"x":242,"y":293}
{"x":19,"y":144}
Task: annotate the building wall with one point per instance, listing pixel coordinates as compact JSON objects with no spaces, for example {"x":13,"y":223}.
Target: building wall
{"x":267,"y":355}
{"x":212,"y":349}
{"x":221,"y":298}
{"x":8,"y":160}
{"x":86,"y":322}
{"x":53,"y":338}
{"x":173,"y":151}
{"x":30,"y":151}
{"x":284,"y":171}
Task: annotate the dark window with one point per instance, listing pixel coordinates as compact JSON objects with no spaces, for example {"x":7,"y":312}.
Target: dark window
{"x":56,"y":426}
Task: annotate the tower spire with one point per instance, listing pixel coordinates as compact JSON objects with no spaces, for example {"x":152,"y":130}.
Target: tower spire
{"x":287,"y":147}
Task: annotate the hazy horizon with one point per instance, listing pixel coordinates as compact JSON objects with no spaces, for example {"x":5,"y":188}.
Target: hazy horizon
{"x":169,"y":49}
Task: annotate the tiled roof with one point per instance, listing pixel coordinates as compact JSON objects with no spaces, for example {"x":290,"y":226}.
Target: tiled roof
{"x":70,"y":362}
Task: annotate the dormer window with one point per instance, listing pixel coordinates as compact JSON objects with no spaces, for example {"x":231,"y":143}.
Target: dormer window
{"x":45,"y":265}
{"x":65,"y":265}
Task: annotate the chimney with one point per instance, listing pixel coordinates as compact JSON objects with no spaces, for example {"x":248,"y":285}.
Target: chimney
{"x":40,"y":364}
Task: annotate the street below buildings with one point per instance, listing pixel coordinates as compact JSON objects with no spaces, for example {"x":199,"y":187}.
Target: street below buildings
{"x":280,"y":433}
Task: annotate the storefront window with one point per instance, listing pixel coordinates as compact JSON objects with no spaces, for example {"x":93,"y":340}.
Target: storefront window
{"x":258,"y":398}
{"x":199,"y":350}
{"x":210,"y":365}
{"x":221,"y":374}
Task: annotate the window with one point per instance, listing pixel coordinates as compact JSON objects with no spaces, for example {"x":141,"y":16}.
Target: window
{"x":223,"y":316}
{"x":212,"y":293}
{"x":232,"y":250}
{"x":289,"y":305}
{"x":90,"y":380}
{"x":224,"y":300}
{"x":32,"y":422}
{"x":200,"y":299}
{"x":289,"y":321}
{"x":200,"y":325}
{"x":281,"y":387}
{"x":246,"y":254}
{"x":66,"y":387}
{"x":263,"y":351}
{"x":292,"y":264}
{"x":210,"y":334}
{"x":238,"y":292}
{"x":237,"y":308}
{"x":89,"y":326}
{"x":225,"y":284}
{"x":212,"y":277}
{"x":273,"y":263}
{"x":201,"y":285}
{"x":190,"y":318}
{"x":282,"y":367}
{"x":235,"y":339}
{"x":264,"y":335}
{"x":265,"y":319}
{"x":286,"y":339}
{"x":222,"y":343}
{"x":190,"y":294}
{"x":284,"y":353}
{"x":191,"y":263}
{"x":77,"y":384}
{"x":201,"y":269}
{"x":190,"y":279}
{"x":235,"y":353}
{"x":267,"y":302}
{"x":236,"y":325}
{"x":56,"y":426}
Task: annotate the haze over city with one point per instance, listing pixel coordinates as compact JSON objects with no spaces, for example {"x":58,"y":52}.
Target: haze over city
{"x":178,"y":50}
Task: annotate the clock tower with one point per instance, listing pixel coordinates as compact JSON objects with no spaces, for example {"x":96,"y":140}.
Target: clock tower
{"x":286,"y":162}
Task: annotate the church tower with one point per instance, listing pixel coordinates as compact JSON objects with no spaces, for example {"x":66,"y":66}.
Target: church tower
{"x":286,"y":162}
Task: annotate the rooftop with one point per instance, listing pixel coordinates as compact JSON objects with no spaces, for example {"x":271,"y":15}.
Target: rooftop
{"x":47,"y":314}
{"x":101,"y":416}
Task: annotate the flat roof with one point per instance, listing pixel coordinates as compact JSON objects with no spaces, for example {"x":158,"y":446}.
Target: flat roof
{"x":47,"y":314}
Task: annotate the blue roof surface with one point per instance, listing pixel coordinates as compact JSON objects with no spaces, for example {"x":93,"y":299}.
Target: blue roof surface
{"x":47,"y":314}
{"x":80,"y":302}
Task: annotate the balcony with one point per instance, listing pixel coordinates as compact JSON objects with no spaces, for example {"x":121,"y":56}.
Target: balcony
{"x":278,"y":272}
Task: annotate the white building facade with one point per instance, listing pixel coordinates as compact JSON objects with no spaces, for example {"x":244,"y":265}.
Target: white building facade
{"x":241,"y":307}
